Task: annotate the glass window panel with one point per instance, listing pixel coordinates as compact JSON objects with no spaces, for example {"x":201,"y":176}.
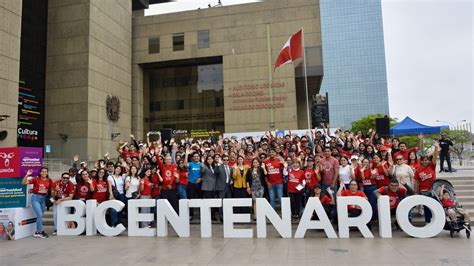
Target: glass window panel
{"x":154,"y":45}
{"x":203,"y":39}
{"x":178,"y":41}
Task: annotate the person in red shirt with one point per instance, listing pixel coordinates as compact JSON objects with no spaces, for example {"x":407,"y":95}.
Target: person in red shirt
{"x":274,"y":178}
{"x":61,"y":190}
{"x":296,"y":184}
{"x":84,"y":187}
{"x":395,"y":192}
{"x":145,"y":192}
{"x":41,"y":188}
{"x":424,"y":177}
{"x":413,"y":161}
{"x":182,"y":185}
{"x":451,"y":207}
{"x":312,"y":177}
{"x":353,"y":210}
{"x":169,"y":178}
{"x":380,"y":169}
{"x":369,"y":184}
{"x":155,"y":180}
{"x":100,"y":186}
{"x":327,"y":201}
{"x":404,"y":151}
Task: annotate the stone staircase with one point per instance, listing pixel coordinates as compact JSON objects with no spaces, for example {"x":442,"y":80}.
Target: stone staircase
{"x":464,"y":187}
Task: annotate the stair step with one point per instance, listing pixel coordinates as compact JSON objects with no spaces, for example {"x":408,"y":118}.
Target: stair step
{"x":468,"y":178}
{"x":464,"y":192}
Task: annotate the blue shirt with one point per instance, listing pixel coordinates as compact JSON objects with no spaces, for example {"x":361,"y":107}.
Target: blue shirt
{"x":194,"y":172}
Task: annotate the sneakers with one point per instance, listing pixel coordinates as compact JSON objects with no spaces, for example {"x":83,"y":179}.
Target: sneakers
{"x":55,"y":233}
{"x":40,"y":235}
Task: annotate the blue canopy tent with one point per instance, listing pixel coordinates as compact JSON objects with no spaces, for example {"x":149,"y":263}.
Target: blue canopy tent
{"x":410,"y":127}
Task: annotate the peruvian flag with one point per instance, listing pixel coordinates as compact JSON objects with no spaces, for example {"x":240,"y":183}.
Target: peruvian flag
{"x":292,"y":50}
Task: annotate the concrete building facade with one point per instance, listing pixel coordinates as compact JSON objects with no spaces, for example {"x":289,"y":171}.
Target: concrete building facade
{"x":213,"y":70}
{"x":10,"y":34}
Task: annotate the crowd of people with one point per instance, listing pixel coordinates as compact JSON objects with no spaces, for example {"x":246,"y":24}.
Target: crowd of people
{"x":316,"y":164}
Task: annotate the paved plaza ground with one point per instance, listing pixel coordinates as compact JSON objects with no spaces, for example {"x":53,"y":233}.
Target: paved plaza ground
{"x":315,"y":249}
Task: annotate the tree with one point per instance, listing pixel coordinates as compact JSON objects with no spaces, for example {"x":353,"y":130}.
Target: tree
{"x":368,"y":122}
{"x":459,"y":138}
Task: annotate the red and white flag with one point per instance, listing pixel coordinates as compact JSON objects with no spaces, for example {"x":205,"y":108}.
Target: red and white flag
{"x":292,"y":50}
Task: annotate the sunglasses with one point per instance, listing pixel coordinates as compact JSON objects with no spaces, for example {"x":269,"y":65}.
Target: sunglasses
{"x":65,"y":177}
{"x":225,"y":160}
{"x":399,"y":159}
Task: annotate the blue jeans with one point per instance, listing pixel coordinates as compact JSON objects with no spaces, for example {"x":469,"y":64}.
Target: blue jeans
{"x":182,"y":191}
{"x":116,"y":217}
{"x":39,"y":206}
{"x":278,"y":189}
{"x":369,"y":192}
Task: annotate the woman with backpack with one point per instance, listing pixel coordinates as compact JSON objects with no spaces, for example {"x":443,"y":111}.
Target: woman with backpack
{"x":41,"y":189}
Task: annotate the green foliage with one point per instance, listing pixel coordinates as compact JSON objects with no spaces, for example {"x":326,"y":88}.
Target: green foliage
{"x":459,"y":138}
{"x":368,"y":122}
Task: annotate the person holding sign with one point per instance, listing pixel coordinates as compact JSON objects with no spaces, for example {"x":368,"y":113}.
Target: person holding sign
{"x":41,"y":188}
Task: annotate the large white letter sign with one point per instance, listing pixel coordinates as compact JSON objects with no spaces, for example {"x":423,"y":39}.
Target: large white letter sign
{"x":78,"y":216}
{"x":314,"y":204}
{"x":99,"y":218}
{"x":385,"y":222}
{"x":344,"y":221}
{"x":264,"y":210}
{"x":91,"y":205}
{"x":205,"y":206}
{"x":433,"y":228}
{"x":135,"y":217}
{"x":230,"y":218}
{"x":165,"y":213}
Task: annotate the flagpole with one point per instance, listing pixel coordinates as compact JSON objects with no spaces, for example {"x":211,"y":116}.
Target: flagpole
{"x":306,"y":80}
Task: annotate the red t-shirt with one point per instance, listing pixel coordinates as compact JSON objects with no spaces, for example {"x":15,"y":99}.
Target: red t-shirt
{"x":311,"y":178}
{"x":294,"y":179}
{"x":130,"y":154}
{"x":381,"y":179}
{"x":232,"y":163}
{"x":62,"y":190}
{"x":414,"y":165}
{"x":325,"y":199}
{"x":347,"y":193}
{"x":331,"y":165}
{"x":82,"y":191}
{"x":447,"y":203}
{"x":426,"y":176}
{"x":183,"y":177}
{"x":274,"y":171}
{"x":41,"y":186}
{"x":100,"y":190}
{"x":155,"y":191}
{"x":395,"y":197}
{"x":368,"y":178}
{"x":248,"y":162}
{"x":147,"y":186}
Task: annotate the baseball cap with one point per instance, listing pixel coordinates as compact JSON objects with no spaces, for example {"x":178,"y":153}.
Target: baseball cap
{"x":354,"y":157}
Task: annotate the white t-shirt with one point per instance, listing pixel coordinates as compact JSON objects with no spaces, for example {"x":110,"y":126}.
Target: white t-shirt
{"x":403,"y":173}
{"x":134,"y":185}
{"x":119,"y":181}
{"x":345,"y":174}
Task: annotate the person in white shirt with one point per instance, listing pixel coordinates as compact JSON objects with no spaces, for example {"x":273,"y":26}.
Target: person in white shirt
{"x":346,"y":172}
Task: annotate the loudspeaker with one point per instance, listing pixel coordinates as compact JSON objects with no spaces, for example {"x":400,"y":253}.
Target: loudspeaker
{"x":382,"y":126}
{"x":166,"y":135}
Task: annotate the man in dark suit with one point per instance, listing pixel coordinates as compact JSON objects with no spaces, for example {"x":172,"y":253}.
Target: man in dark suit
{"x":223,"y":174}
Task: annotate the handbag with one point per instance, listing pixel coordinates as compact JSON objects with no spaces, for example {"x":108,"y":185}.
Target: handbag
{"x":115,"y":191}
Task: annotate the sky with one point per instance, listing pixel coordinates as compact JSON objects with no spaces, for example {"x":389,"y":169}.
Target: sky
{"x":429,"y":56}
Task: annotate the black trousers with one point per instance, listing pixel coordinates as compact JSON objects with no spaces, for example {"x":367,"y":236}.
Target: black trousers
{"x":447,"y":157}
{"x":194,"y":191}
{"x":172,"y":196}
{"x":295,"y":200}
{"x":224,"y":194}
